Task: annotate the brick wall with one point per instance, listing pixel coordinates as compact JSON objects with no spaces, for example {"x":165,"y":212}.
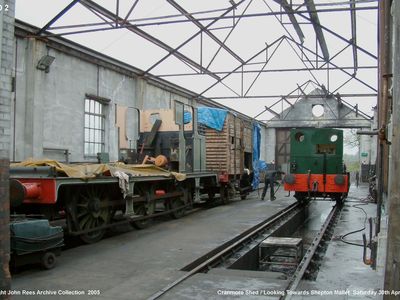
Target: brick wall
{"x":6,"y":72}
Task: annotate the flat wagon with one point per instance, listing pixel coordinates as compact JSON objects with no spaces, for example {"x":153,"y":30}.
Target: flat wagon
{"x":169,"y":174}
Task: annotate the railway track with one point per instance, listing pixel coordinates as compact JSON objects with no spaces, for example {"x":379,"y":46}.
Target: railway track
{"x":220,"y":255}
{"x":323,"y":235}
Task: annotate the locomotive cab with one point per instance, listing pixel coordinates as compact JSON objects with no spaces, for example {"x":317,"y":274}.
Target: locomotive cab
{"x":174,"y":134}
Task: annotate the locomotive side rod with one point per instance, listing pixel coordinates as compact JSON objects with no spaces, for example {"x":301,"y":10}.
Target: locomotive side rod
{"x":207,"y":262}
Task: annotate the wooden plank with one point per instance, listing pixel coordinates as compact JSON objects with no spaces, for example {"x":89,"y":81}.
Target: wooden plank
{"x":224,"y":155}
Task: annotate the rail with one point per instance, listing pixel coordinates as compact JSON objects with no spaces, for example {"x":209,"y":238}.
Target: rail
{"x":308,"y":257}
{"x":212,"y":258}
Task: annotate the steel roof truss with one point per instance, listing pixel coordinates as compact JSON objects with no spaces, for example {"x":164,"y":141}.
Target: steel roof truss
{"x":205,"y":30}
{"x":290,"y":13}
{"x":59,"y":15}
{"x":317,"y":28}
{"x":145,"y":35}
{"x":354,"y":34}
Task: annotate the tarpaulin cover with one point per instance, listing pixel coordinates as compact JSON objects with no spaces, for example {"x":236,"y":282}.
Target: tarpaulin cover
{"x":86,"y":171}
{"x":262,"y":165}
{"x":34,"y":235}
{"x":212,"y":117}
{"x":256,"y":154}
{"x":187,"y":117}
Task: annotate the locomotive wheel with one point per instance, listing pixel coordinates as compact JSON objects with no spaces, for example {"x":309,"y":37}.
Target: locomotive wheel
{"x":141,"y":224}
{"x":301,"y":197}
{"x":224,"y":195}
{"x":231,"y":191}
{"x":211,"y":196}
{"x":339,"y":199}
{"x":91,"y":211}
{"x":175,"y":203}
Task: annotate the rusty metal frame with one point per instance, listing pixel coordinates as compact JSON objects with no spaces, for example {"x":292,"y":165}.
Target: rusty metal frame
{"x":291,"y":15}
{"x":301,"y":94}
{"x":58,"y":16}
{"x":172,"y":51}
{"x":234,"y":17}
{"x":113,"y":21}
{"x":130,"y":11}
{"x":205,"y":30}
{"x":354,"y":34}
{"x":317,"y":28}
{"x":192,"y":37}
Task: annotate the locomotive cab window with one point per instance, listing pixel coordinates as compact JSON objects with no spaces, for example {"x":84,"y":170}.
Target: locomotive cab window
{"x":326,"y":148}
{"x":299,"y":136}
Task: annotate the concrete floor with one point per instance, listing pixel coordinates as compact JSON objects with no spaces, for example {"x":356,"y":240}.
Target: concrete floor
{"x":343,"y":275}
{"x":135,"y":264}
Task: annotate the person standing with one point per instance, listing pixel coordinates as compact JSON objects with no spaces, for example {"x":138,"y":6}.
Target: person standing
{"x":270,"y":177}
{"x":357,"y":178}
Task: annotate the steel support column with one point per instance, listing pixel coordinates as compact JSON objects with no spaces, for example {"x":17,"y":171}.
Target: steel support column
{"x":392,"y":270}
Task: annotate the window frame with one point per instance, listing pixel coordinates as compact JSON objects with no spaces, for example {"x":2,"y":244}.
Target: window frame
{"x":93,"y":127}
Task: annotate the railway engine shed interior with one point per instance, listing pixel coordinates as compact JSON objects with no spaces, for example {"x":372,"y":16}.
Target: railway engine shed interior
{"x":235,"y":149}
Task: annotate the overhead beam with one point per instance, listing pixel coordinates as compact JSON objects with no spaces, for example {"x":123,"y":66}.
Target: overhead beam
{"x":193,"y":36}
{"x":354,"y":34}
{"x":327,"y":123}
{"x":59,"y":15}
{"x":317,"y":28}
{"x":236,"y":17}
{"x":271,"y":71}
{"x":101,"y":10}
{"x":344,"y":71}
{"x":341,"y":37}
{"x":272,"y":111}
{"x":361,"y":95}
{"x":238,"y":67}
{"x":259,"y":73}
{"x":291,"y":15}
{"x":205,"y":30}
{"x":130,"y":11}
{"x":284,"y":99}
{"x":232,"y":28}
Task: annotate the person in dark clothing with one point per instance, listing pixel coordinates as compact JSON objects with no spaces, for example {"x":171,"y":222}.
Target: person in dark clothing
{"x":246,"y":178}
{"x":270,"y":177}
{"x":357,"y":178}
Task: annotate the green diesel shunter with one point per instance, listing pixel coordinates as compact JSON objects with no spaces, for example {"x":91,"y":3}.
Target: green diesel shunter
{"x":316,"y":164}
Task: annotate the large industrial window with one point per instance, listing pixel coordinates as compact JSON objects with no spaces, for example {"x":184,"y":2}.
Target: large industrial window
{"x":94,"y":127}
